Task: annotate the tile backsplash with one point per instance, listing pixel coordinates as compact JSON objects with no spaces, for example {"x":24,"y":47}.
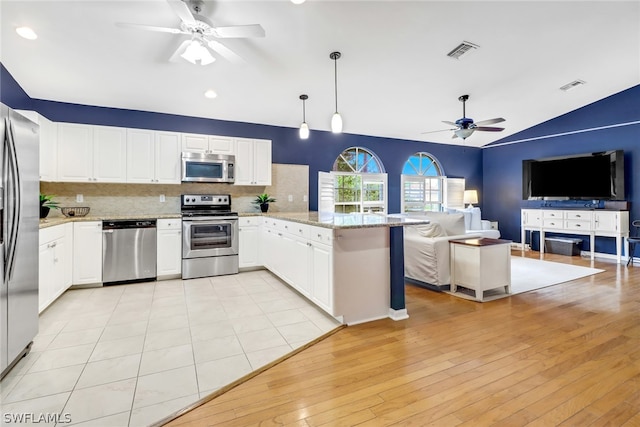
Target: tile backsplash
{"x":128,"y":199}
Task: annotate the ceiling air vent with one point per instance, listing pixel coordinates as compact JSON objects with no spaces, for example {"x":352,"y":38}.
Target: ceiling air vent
{"x":464,"y":48}
{"x":573,"y":84}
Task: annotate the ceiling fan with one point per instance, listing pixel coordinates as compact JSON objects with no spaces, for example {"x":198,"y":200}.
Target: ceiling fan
{"x":465,"y":126}
{"x":202,"y":32}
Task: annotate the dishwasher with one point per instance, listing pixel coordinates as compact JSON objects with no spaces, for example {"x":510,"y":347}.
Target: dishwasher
{"x":128,"y":251}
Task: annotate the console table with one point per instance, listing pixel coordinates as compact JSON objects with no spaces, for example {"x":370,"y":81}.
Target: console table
{"x":592,"y":223}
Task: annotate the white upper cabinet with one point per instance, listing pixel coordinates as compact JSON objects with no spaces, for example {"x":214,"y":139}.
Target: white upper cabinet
{"x":196,"y":143}
{"x":91,"y":153}
{"x":48,"y":144}
{"x":167,"y":157}
{"x":253,"y":162}
{"x":153,"y":157}
{"x":109,"y":154}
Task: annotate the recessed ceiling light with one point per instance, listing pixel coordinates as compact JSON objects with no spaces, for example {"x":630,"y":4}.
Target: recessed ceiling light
{"x":27,"y":33}
{"x":210,"y":94}
{"x":297,"y":1}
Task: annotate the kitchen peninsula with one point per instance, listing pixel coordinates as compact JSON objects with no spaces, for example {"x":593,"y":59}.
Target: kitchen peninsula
{"x":350,"y":265}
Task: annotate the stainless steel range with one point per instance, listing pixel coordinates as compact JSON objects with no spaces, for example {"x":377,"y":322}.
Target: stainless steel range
{"x":209,"y":236}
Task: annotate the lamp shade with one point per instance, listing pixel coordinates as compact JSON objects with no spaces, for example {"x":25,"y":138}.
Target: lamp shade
{"x":470,"y":197}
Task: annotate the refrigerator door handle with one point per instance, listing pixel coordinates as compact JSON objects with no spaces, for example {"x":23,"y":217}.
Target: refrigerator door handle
{"x":13,"y":180}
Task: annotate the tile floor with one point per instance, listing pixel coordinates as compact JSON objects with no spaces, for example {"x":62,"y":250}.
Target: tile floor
{"x":130,"y":355}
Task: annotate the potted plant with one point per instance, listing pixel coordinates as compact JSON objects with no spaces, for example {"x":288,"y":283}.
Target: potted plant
{"x":46,"y":204}
{"x":263,"y":200}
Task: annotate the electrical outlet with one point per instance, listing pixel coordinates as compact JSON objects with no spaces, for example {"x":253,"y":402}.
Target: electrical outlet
{"x":79,"y":198}
{"x":290,"y":198}
{"x":162,"y":198}
{"x":304,"y":198}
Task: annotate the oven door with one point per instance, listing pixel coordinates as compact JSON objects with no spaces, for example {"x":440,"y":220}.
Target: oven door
{"x":207,"y":237}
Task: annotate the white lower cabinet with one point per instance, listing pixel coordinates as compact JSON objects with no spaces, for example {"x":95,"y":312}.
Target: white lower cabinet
{"x":87,"y":252}
{"x":302,"y":256}
{"x":169,"y":250}
{"x":249,"y":241}
{"x":55,"y":263}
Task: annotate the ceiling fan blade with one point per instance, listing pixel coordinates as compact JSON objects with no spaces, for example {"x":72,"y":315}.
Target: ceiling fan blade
{"x":434,"y":131}
{"x":181,"y":9}
{"x":488,"y":129}
{"x":179,"y":51}
{"x":225,"y":52}
{"x":490,"y":121}
{"x":449,"y":123}
{"x":239,"y":31}
{"x":150,"y":28}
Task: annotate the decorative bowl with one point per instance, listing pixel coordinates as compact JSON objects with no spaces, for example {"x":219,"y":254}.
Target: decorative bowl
{"x":74,"y":211}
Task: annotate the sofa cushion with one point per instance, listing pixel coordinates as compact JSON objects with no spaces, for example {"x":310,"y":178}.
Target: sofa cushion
{"x":472,"y":217}
{"x":453,"y":224}
{"x":433,"y":229}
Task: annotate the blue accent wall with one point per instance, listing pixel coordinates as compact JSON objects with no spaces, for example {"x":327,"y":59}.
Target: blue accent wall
{"x":319,"y":151}
{"x":612,"y":123}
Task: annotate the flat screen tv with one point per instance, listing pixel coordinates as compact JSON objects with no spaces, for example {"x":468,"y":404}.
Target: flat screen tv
{"x":589,"y":176}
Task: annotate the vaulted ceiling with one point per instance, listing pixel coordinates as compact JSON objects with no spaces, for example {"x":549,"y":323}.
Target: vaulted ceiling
{"x":394,"y":77}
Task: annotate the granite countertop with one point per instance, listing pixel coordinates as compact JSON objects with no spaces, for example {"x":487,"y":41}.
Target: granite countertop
{"x":341,"y":221}
{"x":319,"y":219}
{"x":57,"y":220}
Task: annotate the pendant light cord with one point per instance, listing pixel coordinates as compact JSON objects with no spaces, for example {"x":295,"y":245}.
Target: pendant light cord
{"x":335,"y":63}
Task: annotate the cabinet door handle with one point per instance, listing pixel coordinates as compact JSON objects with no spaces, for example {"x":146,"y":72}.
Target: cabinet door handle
{"x":52,"y":245}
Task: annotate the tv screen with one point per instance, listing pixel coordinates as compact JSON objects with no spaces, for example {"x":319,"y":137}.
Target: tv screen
{"x":592,"y":176}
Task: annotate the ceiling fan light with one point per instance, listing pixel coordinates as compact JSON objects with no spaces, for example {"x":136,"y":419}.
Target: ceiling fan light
{"x":336,"y":123}
{"x":463,"y":133}
{"x":304,"y":131}
{"x":297,"y":1}
{"x":197,"y":52}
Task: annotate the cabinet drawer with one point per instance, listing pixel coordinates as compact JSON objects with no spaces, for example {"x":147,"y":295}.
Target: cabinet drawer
{"x":297,"y":229}
{"x":578,"y":215}
{"x":269,"y":222}
{"x":575,"y":224}
{"x":169,"y":224}
{"x":548,"y":214}
{"x":321,"y":235}
{"x":50,"y":234}
{"x":553,"y":223}
{"x":248,"y":221}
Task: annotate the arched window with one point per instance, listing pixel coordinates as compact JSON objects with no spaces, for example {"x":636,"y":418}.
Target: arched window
{"x":357,"y":183}
{"x":425,"y":188}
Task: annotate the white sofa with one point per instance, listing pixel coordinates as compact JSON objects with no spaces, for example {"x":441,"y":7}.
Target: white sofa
{"x":426,"y":247}
{"x":474,"y":224}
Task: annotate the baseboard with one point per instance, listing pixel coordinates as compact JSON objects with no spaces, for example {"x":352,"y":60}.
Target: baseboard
{"x":398,"y":314}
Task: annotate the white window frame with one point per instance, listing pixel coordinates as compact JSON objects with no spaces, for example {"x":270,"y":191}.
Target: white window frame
{"x":448,"y":194}
{"x":328,"y":186}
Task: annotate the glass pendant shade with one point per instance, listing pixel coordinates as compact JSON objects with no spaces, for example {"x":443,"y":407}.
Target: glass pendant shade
{"x":336,"y":123}
{"x":304,"y":131}
{"x":197,"y":52}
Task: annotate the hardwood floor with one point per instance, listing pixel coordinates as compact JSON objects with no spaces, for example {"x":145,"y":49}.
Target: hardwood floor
{"x":566,"y":355}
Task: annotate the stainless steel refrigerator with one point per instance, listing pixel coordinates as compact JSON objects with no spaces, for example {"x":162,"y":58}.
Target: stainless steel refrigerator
{"x":19,"y":216}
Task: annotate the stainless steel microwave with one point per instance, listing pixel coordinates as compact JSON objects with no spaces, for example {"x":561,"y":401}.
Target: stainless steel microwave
{"x":202,"y":167}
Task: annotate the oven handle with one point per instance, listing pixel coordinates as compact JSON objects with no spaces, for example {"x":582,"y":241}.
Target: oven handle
{"x":210,"y":218}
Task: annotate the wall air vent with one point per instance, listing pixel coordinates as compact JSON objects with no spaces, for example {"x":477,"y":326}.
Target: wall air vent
{"x":573,"y":84}
{"x":464,"y":48}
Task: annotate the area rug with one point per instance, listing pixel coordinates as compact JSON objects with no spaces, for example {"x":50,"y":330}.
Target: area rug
{"x":528,"y":274}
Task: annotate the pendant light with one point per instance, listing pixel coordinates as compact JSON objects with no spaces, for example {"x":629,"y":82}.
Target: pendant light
{"x":304,"y":128}
{"x":336,"y":119}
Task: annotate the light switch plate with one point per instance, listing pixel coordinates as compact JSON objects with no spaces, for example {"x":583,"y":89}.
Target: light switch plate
{"x":79,"y":198}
